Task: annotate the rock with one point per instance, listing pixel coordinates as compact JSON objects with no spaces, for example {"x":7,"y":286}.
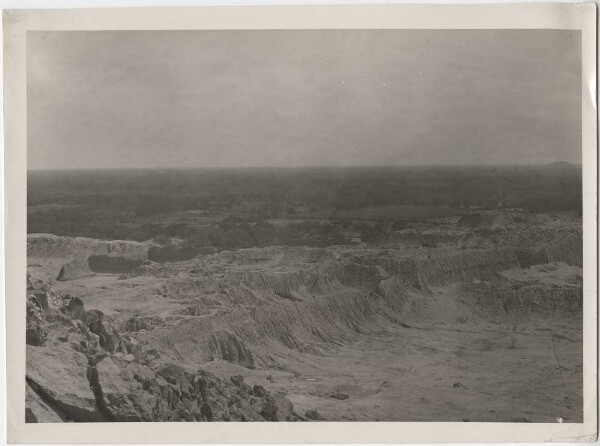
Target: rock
{"x":89,"y":340}
{"x":339,"y":396}
{"x":35,"y":331}
{"x":38,"y":292}
{"x":206,"y":412}
{"x":105,"y":328}
{"x":141,"y":323}
{"x":259,"y":391}
{"x":60,"y":375}
{"x":132,"y":346}
{"x":313,"y":414}
{"x":285,"y":408}
{"x":77,"y":341}
{"x":75,"y":308}
{"x":175,"y":375}
{"x":76,"y":269}
{"x":36,"y":410}
{"x":231,"y":349}
{"x":237,"y":380}
{"x":131,"y":391}
{"x":269,"y":411}
{"x":41,"y":298}
{"x":87,"y":371}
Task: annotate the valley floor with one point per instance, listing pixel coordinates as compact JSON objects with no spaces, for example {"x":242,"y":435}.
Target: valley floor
{"x":467,"y":373}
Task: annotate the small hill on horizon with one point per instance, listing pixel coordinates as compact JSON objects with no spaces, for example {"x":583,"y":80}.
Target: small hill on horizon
{"x":562,"y":165}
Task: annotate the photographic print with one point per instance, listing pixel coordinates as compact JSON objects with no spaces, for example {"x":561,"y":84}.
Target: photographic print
{"x":305,"y":225}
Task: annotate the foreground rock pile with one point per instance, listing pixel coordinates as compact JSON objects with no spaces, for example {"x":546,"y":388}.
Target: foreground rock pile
{"x":81,"y":368}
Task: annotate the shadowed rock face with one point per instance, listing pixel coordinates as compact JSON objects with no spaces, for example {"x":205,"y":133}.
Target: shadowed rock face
{"x":172,"y":254}
{"x":112,"y":264}
{"x":38,"y":410}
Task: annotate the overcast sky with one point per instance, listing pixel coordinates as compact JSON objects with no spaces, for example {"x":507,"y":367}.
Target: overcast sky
{"x":302,"y":98}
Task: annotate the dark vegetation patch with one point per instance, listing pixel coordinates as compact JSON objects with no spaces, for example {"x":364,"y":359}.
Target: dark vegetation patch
{"x":172,"y":254}
{"x":228,"y":208}
{"x":112,"y":264}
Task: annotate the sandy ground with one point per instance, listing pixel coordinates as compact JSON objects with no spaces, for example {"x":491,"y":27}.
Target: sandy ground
{"x":471,"y":373}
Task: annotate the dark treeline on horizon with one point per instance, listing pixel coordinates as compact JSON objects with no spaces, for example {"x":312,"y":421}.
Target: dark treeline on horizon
{"x":121,"y":203}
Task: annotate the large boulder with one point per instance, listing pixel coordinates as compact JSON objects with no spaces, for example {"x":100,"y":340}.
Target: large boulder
{"x":36,"y":332}
{"x":131,"y":391}
{"x":106,"y":328}
{"x":60,"y":375}
{"x":75,"y":309}
{"x":285,"y":408}
{"x":37,"y":410}
{"x":75,"y":269}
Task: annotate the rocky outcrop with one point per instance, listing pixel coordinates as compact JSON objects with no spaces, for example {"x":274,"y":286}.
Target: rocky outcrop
{"x":59,"y":375}
{"x":230,"y":348}
{"x":38,"y":411}
{"x":105,"y":329}
{"x":36,"y":332}
{"x":57,"y":247}
{"x":40,"y":303}
{"x":81,"y":368}
{"x":75,"y":269}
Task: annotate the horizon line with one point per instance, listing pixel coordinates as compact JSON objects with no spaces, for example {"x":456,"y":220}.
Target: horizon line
{"x":351,"y":166}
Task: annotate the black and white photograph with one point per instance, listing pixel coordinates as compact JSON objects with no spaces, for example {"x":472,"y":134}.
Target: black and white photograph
{"x":304,"y":225}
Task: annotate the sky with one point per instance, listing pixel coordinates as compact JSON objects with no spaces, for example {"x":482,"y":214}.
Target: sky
{"x":200,"y":99}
